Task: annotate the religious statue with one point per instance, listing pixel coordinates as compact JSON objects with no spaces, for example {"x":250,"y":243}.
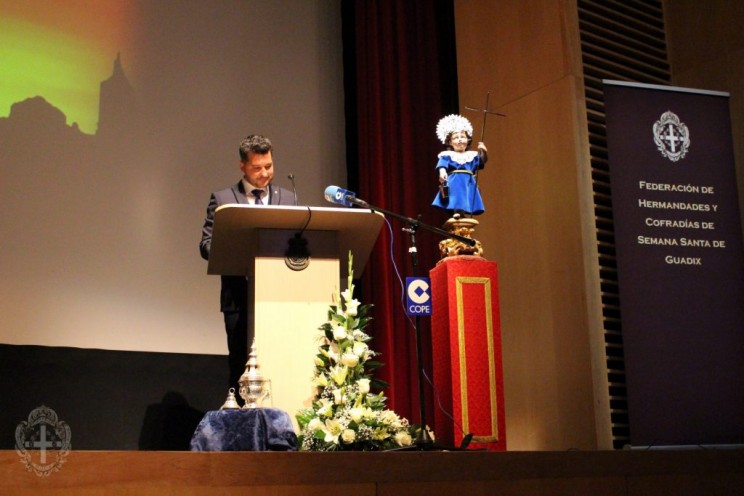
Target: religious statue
{"x":458,"y":186}
{"x":458,"y":167}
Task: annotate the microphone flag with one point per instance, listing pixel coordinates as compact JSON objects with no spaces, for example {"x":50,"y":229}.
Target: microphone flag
{"x":340,"y":196}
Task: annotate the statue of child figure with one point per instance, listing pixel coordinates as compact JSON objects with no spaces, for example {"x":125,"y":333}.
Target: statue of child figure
{"x":457,"y":166}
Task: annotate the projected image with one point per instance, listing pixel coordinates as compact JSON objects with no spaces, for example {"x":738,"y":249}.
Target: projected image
{"x":118,"y":118}
{"x":61,"y":52}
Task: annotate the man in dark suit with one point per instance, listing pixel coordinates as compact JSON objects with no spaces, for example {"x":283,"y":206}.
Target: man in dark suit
{"x":257,"y":166}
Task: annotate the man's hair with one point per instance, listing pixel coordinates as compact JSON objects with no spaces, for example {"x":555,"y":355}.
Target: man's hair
{"x":254,"y":143}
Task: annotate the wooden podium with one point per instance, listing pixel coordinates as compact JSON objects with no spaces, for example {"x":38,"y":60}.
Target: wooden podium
{"x":290,"y":305}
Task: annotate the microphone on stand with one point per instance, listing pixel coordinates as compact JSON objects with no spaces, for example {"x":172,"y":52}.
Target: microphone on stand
{"x":294,"y":189}
{"x":297,"y":255}
{"x":341,"y":196}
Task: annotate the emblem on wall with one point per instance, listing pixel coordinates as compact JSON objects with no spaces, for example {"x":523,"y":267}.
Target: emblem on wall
{"x":671,"y":136}
{"x":43,"y":441}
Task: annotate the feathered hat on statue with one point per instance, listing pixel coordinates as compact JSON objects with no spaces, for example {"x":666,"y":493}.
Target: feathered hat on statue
{"x":451,"y":124}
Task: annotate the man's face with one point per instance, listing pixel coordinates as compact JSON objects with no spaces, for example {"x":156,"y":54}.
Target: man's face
{"x":258,"y":169}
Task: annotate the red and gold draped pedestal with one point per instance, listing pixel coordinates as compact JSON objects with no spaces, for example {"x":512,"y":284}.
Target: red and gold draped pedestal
{"x":466,"y":346}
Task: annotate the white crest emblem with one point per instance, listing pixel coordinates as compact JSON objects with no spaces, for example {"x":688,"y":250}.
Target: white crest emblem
{"x":43,"y":441}
{"x":671,"y":136}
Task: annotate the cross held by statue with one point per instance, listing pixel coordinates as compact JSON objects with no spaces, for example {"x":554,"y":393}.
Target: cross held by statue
{"x":485,"y":113}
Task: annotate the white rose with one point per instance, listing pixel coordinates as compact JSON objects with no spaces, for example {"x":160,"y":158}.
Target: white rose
{"x":348,"y":436}
{"x":350,"y":360}
{"x":356,"y":414}
{"x":363,"y":386}
{"x":314,"y":425}
{"x":403,"y":438}
{"x":359,"y":349}
{"x":339,"y":333}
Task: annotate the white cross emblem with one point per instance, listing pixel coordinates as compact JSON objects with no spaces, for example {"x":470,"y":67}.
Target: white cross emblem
{"x":671,"y":136}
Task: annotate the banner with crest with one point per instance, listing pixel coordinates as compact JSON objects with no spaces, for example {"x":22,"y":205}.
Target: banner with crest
{"x":680,"y":263}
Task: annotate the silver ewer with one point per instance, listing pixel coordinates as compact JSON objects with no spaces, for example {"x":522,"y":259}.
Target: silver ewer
{"x":253,"y":387}
{"x":230,"y":403}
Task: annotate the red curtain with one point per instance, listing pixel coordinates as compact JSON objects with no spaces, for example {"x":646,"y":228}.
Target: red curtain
{"x":400,"y":79}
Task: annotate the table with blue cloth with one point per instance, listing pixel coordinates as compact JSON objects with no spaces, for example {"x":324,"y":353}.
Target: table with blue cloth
{"x":254,"y":429}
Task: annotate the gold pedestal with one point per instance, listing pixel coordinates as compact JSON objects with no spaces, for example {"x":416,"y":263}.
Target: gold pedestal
{"x":464,"y":227}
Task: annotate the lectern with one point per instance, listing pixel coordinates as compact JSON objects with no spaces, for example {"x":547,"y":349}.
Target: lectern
{"x":289,"y":304}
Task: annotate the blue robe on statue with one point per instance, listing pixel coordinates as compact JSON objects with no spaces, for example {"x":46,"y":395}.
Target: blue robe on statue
{"x":463,"y":195}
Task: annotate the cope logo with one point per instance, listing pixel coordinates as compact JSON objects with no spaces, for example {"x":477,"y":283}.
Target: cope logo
{"x":418,"y":296}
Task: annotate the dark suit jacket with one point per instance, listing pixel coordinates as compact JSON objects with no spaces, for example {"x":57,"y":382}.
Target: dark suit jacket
{"x":234,"y":293}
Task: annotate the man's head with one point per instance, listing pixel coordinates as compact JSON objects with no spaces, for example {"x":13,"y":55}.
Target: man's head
{"x":256,"y":162}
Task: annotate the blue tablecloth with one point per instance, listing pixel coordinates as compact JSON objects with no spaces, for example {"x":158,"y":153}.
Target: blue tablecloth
{"x":255,"y":429}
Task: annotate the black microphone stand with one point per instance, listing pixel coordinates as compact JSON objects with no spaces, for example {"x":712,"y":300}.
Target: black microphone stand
{"x":423,"y":439}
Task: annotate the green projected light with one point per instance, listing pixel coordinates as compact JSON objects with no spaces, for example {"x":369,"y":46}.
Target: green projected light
{"x":52,"y":55}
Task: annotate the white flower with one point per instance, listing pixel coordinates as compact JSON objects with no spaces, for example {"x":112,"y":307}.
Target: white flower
{"x":338,"y":396}
{"x":363,"y":386}
{"x":350,"y":303}
{"x":320,"y":380}
{"x":389,"y":417}
{"x":332,"y":430}
{"x":351,"y":307}
{"x":334,"y":353}
{"x":346,"y":294}
{"x":431,"y":433}
{"x":326,"y":408}
{"x":348,"y":436}
{"x":339,"y":374}
{"x":403,"y":438}
{"x":314,"y":425}
{"x":350,"y":360}
{"x":319,"y":362}
{"x":356,"y":414}
{"x":380,"y":434}
{"x":359,"y":349}
{"x":339,"y":333}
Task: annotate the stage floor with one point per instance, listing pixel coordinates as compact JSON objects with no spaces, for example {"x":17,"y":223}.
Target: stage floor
{"x":605,"y":473}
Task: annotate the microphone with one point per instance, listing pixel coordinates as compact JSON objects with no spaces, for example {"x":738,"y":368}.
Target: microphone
{"x":294,"y":189}
{"x":297,"y":256}
{"x":344,"y":197}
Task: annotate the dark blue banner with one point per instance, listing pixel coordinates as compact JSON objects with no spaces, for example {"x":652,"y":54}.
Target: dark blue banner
{"x":680,"y":263}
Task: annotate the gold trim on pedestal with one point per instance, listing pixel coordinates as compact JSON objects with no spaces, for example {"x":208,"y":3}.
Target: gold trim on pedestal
{"x":486,"y":282}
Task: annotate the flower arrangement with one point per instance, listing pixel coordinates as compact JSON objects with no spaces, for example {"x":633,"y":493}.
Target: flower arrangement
{"x":346,"y":414}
